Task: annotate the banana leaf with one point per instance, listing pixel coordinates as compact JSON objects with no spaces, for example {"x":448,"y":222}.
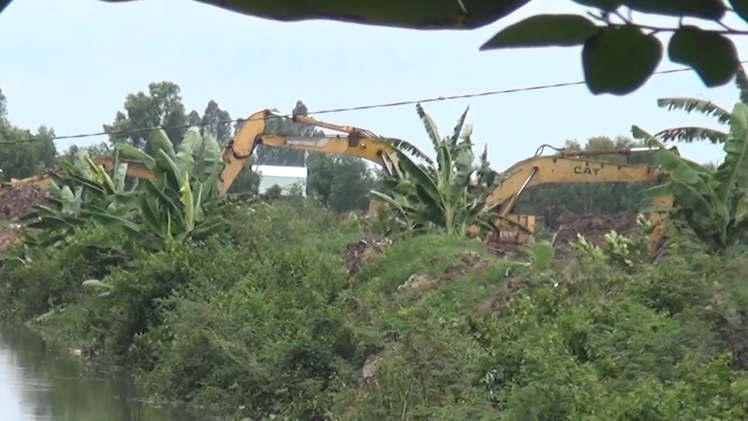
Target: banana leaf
{"x":135,"y":153}
{"x":188,"y":150}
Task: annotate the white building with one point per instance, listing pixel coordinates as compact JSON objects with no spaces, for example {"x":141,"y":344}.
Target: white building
{"x":283,"y":177}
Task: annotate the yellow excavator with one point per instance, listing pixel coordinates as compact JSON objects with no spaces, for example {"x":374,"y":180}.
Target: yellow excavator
{"x":356,"y":142}
{"x":134,"y":169}
{"x":353,"y":142}
{"x":567,"y":166}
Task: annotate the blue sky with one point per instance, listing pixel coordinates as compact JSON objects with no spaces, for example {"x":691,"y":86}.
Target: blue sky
{"x":69,"y":64}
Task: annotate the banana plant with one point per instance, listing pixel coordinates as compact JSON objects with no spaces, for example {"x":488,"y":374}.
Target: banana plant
{"x":85,"y":194}
{"x":691,"y":134}
{"x":448,"y":193}
{"x":172,"y":208}
{"x":714,"y":203}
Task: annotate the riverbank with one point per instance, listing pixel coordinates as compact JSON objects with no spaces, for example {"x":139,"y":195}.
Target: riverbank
{"x":297,"y":315}
{"x":40,"y":380}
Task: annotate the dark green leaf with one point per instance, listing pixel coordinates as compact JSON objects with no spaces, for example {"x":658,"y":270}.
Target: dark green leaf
{"x":543,"y":31}
{"x":713,"y":56}
{"x":619,"y":60}
{"x":741,"y":8}
{"x":692,"y":134}
{"x":604,"y":5}
{"x":49,"y":223}
{"x":705,"y":9}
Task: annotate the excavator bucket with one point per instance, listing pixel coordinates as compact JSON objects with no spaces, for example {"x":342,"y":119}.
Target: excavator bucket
{"x":515,"y":229}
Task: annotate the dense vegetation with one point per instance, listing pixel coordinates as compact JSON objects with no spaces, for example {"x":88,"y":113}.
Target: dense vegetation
{"x":276,"y":308}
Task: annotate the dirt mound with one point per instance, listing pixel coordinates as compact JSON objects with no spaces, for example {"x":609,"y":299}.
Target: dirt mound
{"x":18,"y":201}
{"x":469,"y":261}
{"x":513,"y":285}
{"x":7,"y":239}
{"x":362,"y":251}
{"x":592,"y":226}
{"x":361,"y":215}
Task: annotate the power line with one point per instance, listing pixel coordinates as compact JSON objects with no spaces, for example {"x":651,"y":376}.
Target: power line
{"x":335,"y":110}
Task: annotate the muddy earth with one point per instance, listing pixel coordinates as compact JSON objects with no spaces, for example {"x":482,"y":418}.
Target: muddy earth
{"x":365,"y":250}
{"x":18,"y":201}
{"x":591,"y":226}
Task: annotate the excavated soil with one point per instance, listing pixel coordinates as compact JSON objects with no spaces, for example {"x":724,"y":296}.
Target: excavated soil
{"x":7,"y":239}
{"x":512,"y":286}
{"x":359,"y":252}
{"x":566,"y":226}
{"x":18,"y":201}
{"x":591,"y":226}
{"x":470,"y":261}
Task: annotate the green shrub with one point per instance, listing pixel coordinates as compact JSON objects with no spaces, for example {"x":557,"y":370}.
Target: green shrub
{"x":585,"y":342}
{"x":270,"y":324}
{"x":37,"y":280}
{"x":275,"y":342}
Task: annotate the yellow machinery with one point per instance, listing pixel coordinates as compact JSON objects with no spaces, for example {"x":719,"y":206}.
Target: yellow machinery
{"x":134,"y":169}
{"x":354,"y":142}
{"x":563,"y":167}
{"x":566,"y":167}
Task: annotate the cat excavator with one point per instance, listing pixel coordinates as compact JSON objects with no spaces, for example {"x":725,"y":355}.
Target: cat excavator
{"x":567,"y":166}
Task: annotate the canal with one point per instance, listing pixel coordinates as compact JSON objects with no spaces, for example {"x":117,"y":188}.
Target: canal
{"x":40,"y":382}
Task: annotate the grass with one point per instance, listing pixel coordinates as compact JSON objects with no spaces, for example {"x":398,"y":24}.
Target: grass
{"x":271,"y":325}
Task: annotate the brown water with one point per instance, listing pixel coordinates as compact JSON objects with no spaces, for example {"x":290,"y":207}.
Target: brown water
{"x":39,"y":382}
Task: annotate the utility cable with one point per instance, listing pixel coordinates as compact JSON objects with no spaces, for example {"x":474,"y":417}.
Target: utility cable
{"x":333,"y":110}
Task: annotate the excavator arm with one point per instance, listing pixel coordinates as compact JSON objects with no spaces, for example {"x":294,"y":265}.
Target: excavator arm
{"x":355,"y":142}
{"x":557,"y":170}
{"x":134,"y":169}
{"x":572,"y":167}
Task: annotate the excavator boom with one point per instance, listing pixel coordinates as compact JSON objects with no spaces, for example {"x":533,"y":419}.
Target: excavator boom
{"x":365,"y":148}
{"x":357,"y":143}
{"x":556,"y":170}
{"x":134,"y":169}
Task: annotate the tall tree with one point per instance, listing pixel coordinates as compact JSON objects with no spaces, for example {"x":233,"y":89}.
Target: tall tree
{"x":217,"y":123}
{"x":160,"y":106}
{"x":22,"y":153}
{"x":101,"y":149}
{"x":29,"y":154}
{"x":3,"y":109}
{"x":341,"y":183}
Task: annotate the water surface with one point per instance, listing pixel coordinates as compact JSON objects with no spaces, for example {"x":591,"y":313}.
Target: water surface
{"x":41,"y":382}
